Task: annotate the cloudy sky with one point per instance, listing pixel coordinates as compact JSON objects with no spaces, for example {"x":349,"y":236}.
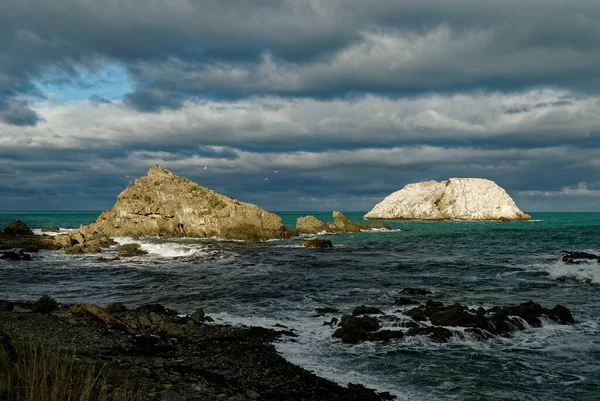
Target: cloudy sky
{"x":347,"y":100}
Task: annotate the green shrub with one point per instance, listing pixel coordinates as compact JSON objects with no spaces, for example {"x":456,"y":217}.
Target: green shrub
{"x":216,"y":202}
{"x":136,"y":196}
{"x":45,"y":304}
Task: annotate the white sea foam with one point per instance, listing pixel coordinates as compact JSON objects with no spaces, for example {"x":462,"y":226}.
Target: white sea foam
{"x":165,"y":249}
{"x":38,"y":231}
{"x":587,"y":272}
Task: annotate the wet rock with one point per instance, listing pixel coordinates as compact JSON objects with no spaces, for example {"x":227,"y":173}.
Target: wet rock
{"x":130,"y":250}
{"x":405,"y":301}
{"x":50,"y":229}
{"x":437,"y":334}
{"x":332,"y":322}
{"x":18,"y":228}
{"x":15,"y":256}
{"x":367,"y":310}
{"x":355,"y":329}
{"x":574,"y":257}
{"x":561,"y":314}
{"x":316,"y":243}
{"x":415,"y":291}
{"x":378,"y":225}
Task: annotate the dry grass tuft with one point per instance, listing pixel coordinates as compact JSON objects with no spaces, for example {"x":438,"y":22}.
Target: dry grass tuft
{"x":30,"y":371}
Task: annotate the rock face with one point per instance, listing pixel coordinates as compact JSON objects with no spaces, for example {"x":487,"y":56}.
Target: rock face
{"x":341,"y":224}
{"x":163,"y":204}
{"x":456,"y":198}
{"x":316,"y":243}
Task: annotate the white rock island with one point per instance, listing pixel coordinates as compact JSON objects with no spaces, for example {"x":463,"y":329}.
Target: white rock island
{"x":453,"y":199}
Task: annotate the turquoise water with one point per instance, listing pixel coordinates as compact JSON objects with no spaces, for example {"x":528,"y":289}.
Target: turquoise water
{"x":474,"y":263}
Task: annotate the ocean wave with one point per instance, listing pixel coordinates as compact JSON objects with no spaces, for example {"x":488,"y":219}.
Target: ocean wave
{"x":585,"y":272}
{"x":164,"y":249}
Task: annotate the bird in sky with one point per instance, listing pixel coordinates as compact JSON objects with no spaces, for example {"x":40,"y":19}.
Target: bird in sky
{"x":266,"y":178}
{"x":204,"y":167}
{"x":276,"y":171}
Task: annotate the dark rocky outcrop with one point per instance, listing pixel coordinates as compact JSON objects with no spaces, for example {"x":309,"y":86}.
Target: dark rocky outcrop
{"x":316,"y":243}
{"x":575,"y":257}
{"x":50,"y":229}
{"x":434,"y":320}
{"x":173,"y":358}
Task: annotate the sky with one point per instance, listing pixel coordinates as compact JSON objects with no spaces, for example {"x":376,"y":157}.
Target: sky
{"x":347,"y":100}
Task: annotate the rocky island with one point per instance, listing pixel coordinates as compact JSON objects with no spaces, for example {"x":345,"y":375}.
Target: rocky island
{"x":164,"y":204}
{"x":453,"y":199}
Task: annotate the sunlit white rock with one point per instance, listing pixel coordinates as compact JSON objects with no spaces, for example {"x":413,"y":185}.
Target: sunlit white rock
{"x":456,"y":198}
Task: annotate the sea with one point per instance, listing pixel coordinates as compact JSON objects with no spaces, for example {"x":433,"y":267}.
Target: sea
{"x":278,"y":282}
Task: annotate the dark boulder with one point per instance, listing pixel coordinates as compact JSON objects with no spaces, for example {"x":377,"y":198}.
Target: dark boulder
{"x":116,"y":307}
{"x":435,"y":333}
{"x":15,"y":256}
{"x":355,"y":329}
{"x":561,"y":314}
{"x":316,"y":243}
{"x":50,"y":229}
{"x":18,"y":228}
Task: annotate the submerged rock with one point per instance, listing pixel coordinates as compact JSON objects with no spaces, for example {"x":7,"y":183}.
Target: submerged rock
{"x":164,"y":204}
{"x":456,"y":198}
{"x":316,"y":243}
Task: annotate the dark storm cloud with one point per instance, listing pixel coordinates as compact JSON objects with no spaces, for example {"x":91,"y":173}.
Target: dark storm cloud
{"x":17,"y":112}
{"x":184,"y":49}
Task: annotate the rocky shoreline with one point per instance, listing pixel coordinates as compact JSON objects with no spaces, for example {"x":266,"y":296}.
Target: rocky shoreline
{"x":176,"y":358}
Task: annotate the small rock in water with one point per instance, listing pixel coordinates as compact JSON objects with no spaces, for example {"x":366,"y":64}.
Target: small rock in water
{"x":316,"y":243}
{"x":415,"y":291}
{"x":50,"y":229}
{"x":129,"y":250}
